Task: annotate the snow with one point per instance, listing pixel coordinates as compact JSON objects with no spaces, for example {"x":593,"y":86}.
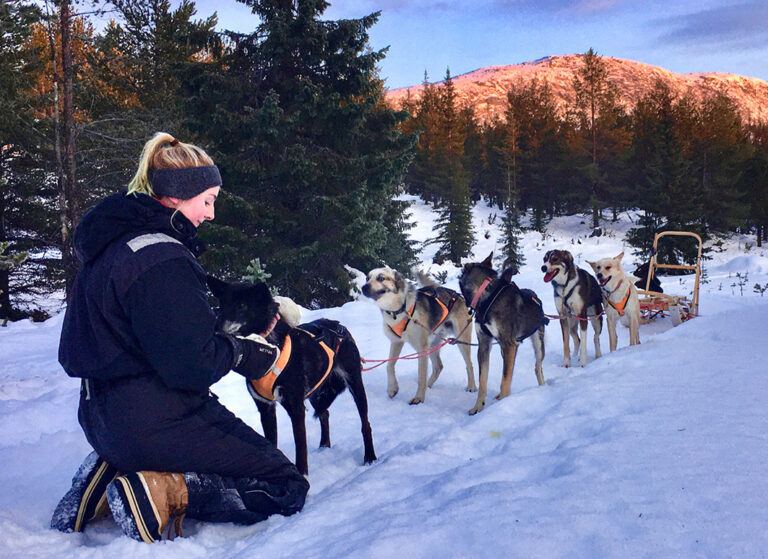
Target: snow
{"x":657,"y":450}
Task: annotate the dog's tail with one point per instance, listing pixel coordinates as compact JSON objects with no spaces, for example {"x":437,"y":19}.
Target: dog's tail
{"x":289,"y":311}
{"x":425,"y":280}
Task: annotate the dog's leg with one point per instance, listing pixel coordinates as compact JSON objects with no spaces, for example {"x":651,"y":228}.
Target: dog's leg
{"x":268,"y":415}
{"x":597,"y":327}
{"x":508,"y":354}
{"x":297,"y":413}
{"x":422,"y":342}
{"x":610,"y":319}
{"x":566,"y":343}
{"x":483,"y":358}
{"x":573,"y":324}
{"x":356,"y":387}
{"x":325,"y":429}
{"x":634,"y":329}
{"x":466,"y":353}
{"x":394,"y":353}
{"x":538,"y":348}
{"x":583,"y":340}
{"x":437,"y":367}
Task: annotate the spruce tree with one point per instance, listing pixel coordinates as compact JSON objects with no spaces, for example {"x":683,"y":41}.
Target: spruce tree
{"x":310,"y":154}
{"x":28,"y":220}
{"x":604,"y":131}
{"x":453,"y":226}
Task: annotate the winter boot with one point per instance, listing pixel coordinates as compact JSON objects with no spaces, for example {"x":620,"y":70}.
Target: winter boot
{"x":143,"y":503}
{"x":86,"y":500}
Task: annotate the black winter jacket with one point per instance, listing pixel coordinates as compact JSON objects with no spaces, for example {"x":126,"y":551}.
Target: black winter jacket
{"x":138,"y":306}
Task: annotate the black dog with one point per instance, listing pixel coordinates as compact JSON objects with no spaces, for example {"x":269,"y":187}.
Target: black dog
{"x":642,"y":272}
{"x":322,"y":360}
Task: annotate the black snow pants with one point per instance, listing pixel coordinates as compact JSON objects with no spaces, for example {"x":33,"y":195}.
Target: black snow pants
{"x":233,"y":474}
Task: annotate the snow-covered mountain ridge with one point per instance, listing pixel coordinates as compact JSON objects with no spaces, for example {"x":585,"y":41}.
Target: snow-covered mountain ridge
{"x":486,"y":88}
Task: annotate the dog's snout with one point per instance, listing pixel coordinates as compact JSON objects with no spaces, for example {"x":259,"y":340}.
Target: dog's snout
{"x":544,"y":269}
{"x":367,"y":290}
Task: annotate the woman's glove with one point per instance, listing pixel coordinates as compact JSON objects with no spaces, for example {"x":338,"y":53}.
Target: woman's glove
{"x":259,"y":364}
{"x":255,"y":357}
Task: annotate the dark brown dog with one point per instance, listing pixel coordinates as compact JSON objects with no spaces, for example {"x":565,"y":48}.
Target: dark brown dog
{"x":505,"y":313}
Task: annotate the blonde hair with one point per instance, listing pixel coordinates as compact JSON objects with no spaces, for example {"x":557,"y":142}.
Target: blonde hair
{"x":163,"y":151}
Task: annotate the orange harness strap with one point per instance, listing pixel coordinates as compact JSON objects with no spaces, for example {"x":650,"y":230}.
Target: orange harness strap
{"x":400,"y":327}
{"x":330,"y":354}
{"x":621,"y":304}
{"x":265,"y":385}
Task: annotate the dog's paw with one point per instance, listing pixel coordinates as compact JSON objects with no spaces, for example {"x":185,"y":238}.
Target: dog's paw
{"x":478,"y":408}
{"x":392,"y":392}
{"x":416,"y":400}
{"x":567,"y":364}
{"x":501,"y":396}
{"x":471,"y":388}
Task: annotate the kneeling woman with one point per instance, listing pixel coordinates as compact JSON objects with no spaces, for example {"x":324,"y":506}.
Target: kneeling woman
{"x":139,"y":332}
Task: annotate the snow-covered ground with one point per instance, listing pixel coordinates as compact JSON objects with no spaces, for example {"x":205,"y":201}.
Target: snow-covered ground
{"x":659,"y":450}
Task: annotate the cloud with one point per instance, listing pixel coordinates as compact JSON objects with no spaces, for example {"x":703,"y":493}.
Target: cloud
{"x":580,"y":7}
{"x":735,"y":26}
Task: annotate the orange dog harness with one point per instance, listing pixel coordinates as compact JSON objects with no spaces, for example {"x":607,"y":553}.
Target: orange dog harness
{"x":621,"y":304}
{"x":430,"y":292}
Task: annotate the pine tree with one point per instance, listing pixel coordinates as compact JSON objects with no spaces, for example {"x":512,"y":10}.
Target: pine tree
{"x":310,"y":154}
{"x":28,"y":220}
{"x":453,"y":226}
{"x":604,"y":131}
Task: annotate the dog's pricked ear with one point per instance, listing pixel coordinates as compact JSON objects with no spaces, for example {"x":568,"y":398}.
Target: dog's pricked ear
{"x":399,"y":280}
{"x":593,"y":264}
{"x":218,"y":287}
{"x":488,"y":261}
{"x":620,"y":256}
{"x":262,"y":290}
{"x":547,"y":255}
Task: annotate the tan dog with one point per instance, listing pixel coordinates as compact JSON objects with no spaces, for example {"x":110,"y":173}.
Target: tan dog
{"x":620,"y":297}
{"x":420,"y":317}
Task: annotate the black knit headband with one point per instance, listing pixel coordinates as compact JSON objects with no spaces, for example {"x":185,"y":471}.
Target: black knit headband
{"x":184,"y":183}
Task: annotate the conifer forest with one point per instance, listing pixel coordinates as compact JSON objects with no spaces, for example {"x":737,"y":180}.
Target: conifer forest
{"x":312,"y":156}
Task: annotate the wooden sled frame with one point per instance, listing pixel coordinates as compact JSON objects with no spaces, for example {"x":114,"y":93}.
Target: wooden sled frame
{"x":653,"y":303}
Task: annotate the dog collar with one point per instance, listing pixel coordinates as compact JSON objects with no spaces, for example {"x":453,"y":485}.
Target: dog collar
{"x":483,"y":286}
{"x":394,"y":314}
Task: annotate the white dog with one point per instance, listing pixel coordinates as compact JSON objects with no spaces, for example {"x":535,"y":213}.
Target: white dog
{"x":620,"y":296}
{"x":420,"y":317}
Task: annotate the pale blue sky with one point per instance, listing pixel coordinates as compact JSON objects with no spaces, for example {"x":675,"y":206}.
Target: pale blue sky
{"x":463,"y":35}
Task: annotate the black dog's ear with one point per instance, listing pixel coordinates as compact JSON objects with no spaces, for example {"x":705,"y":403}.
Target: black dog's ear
{"x":399,"y":281}
{"x":218,"y":287}
{"x":262,"y":290}
{"x":547,"y":255}
{"x":488,"y":261}
{"x":508,"y":272}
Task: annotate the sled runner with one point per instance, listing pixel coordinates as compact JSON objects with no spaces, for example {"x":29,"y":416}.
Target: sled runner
{"x":653,"y":303}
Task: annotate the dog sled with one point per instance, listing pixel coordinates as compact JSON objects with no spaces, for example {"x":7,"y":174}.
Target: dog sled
{"x":653,"y":303}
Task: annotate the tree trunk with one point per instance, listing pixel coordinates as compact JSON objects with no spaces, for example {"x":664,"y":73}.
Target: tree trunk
{"x":70,"y":208}
{"x":760,"y":230}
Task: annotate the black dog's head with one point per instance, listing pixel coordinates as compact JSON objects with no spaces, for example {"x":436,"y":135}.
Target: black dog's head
{"x":244,"y":308}
{"x":472,"y":276}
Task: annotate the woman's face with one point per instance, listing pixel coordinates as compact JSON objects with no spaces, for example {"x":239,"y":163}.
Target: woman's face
{"x":199,"y":208}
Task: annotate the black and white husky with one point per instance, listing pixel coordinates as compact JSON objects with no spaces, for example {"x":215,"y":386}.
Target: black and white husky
{"x":578,"y":299}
